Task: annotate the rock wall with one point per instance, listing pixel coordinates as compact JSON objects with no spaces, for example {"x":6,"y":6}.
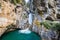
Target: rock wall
{"x":17,"y":13}
{"x":7,"y":15}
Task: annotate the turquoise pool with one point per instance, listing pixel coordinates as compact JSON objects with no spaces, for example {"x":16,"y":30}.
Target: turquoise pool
{"x":15,"y":35}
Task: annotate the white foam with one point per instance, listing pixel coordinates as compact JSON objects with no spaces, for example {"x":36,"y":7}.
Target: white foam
{"x":25,"y":31}
{"x":26,"y":1}
{"x":30,"y":19}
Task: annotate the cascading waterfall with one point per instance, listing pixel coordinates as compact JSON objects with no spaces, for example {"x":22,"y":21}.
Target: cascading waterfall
{"x":44,"y":32}
{"x":25,"y":15}
{"x":29,"y":20}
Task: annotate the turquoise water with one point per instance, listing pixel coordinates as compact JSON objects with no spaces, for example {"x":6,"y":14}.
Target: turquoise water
{"x":15,"y":35}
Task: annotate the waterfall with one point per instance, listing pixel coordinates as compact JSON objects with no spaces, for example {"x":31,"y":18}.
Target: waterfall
{"x":30,"y":19}
{"x":26,"y":1}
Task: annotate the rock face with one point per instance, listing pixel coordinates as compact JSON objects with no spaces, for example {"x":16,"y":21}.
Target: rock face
{"x":2,"y":30}
{"x":7,"y":15}
{"x":21,"y":17}
{"x":23,"y":21}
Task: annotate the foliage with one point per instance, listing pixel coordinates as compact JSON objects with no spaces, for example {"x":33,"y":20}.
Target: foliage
{"x":16,"y":1}
{"x":50,"y":25}
{"x":56,"y":26}
{"x":25,"y":16}
{"x":47,"y":24}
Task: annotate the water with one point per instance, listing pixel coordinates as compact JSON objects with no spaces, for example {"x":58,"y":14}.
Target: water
{"x":30,"y":19}
{"x":16,"y":35}
{"x":26,"y":1}
{"x":25,"y":31}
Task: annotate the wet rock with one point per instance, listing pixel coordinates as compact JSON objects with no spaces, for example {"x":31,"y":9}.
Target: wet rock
{"x":58,"y":16}
{"x":49,"y":18}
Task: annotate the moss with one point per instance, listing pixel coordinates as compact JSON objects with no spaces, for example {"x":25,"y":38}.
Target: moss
{"x":16,"y":1}
{"x":50,"y":25}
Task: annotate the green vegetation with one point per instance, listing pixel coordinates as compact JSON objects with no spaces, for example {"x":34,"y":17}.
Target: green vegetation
{"x":47,"y":24}
{"x":16,"y":1}
{"x":50,"y":25}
